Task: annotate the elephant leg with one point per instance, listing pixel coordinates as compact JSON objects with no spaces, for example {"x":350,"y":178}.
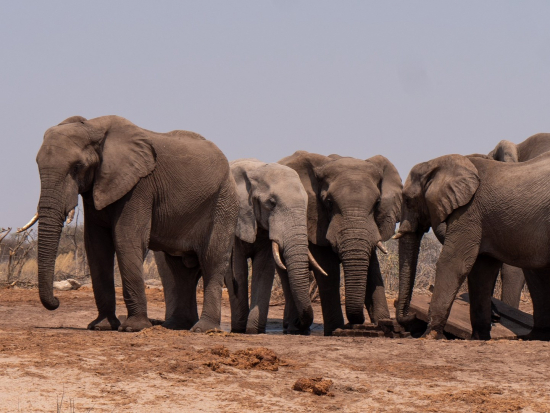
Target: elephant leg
{"x":100,"y":252}
{"x":263,"y":272}
{"x":480,"y":286}
{"x":237,"y":287}
{"x":329,"y":287}
{"x":180,"y":291}
{"x":512,"y":285}
{"x":215,"y":261}
{"x":375,"y":297}
{"x":131,"y":236}
{"x":538,"y":282}
{"x":455,"y":262}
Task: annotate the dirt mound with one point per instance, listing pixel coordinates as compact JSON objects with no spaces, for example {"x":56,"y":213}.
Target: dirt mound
{"x":258,"y":358}
{"x":316,"y":385}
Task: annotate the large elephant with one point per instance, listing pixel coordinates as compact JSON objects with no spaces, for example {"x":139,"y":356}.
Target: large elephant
{"x":495,"y":213}
{"x":272,"y":232}
{"x":353,"y":205}
{"x":506,"y":151}
{"x":169,"y":192}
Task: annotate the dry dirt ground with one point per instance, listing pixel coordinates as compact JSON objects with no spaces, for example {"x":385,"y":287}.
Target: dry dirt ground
{"x":49,"y":362}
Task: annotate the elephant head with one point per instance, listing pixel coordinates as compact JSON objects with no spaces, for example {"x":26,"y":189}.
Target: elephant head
{"x":353,"y":205}
{"x":505,"y":151}
{"x":432,"y":191}
{"x":104,"y":157}
{"x":272,"y":198}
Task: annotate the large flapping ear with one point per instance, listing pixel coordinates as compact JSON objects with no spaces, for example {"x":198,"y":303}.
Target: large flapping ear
{"x":73,"y":119}
{"x":388,"y":211}
{"x":318,"y":220}
{"x":449,"y":182}
{"x":127,"y":155}
{"x":247,"y":227}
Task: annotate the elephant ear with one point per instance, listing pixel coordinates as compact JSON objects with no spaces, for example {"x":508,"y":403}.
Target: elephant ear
{"x":388,"y":211}
{"x":73,"y":119}
{"x":318,"y":220}
{"x":450,"y":182}
{"x":247,"y":227}
{"x":127,"y":155}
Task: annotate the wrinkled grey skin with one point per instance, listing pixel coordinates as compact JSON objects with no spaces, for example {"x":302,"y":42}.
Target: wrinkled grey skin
{"x":169,"y":192}
{"x":352,"y":205}
{"x":506,"y":151}
{"x":272,"y":208}
{"x":495,"y":213}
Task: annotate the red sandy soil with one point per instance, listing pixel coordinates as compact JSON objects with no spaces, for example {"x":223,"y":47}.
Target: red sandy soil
{"x":48,"y":359}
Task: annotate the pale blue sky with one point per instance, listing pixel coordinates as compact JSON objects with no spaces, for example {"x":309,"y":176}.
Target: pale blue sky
{"x":410,"y":80}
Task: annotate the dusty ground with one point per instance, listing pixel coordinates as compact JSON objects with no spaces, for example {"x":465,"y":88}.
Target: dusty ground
{"x":48,"y":358}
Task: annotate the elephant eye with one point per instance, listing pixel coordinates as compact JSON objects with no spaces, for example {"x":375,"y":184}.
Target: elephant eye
{"x":271,"y":202}
{"x":329,"y":204}
{"x":77,"y":167}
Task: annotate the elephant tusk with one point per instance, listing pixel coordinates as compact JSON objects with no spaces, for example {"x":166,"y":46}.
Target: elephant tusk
{"x":397,"y":236}
{"x":381,"y":247}
{"x":315,"y":264}
{"x":277,"y":256}
{"x":30,"y":224}
{"x":70,"y":217}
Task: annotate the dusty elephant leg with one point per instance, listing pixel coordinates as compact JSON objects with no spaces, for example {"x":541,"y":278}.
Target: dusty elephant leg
{"x":454,"y":264}
{"x":329,"y":287}
{"x":538,"y":282}
{"x":263,"y":272}
{"x":180,"y":291}
{"x":512,"y":284}
{"x":100,"y":252}
{"x":215,"y":260}
{"x":131,"y":235}
{"x":480,"y":286}
{"x":237,"y":287}
{"x":375,"y":297}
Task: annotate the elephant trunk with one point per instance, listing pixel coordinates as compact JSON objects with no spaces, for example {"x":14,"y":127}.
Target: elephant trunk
{"x":295,"y":254}
{"x":52,"y":215}
{"x":355,"y":255}
{"x":409,"y":248}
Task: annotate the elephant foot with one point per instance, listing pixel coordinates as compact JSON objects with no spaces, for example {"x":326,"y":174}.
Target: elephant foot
{"x":433,"y":335}
{"x":298,"y":332}
{"x":102,"y":323}
{"x":537,"y":334}
{"x":178,"y":323}
{"x":255,"y":330}
{"x":135,"y":323}
{"x":481,"y":335}
{"x":203,"y":326}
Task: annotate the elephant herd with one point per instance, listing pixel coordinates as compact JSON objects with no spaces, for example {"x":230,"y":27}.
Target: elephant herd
{"x":176,"y":194}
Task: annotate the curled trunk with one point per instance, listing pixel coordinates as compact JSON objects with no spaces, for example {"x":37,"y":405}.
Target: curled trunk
{"x":409,"y":248}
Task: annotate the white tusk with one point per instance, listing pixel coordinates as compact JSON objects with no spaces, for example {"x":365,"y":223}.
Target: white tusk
{"x":277,"y":256}
{"x":315,"y":264}
{"x":397,"y":236}
{"x":70,"y":216}
{"x":30,"y":224}
{"x":381,"y":247}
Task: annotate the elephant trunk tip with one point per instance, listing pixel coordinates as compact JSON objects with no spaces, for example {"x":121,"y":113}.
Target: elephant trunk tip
{"x":50,"y":303}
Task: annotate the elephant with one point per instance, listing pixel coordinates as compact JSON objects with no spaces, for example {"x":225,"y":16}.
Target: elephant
{"x":169,"y":192}
{"x":506,"y":151}
{"x":353,"y":206}
{"x":272,"y":232}
{"x":494,"y":213}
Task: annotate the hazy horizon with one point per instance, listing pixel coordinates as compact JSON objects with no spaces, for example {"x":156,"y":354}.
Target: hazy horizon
{"x":408,"y":80}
